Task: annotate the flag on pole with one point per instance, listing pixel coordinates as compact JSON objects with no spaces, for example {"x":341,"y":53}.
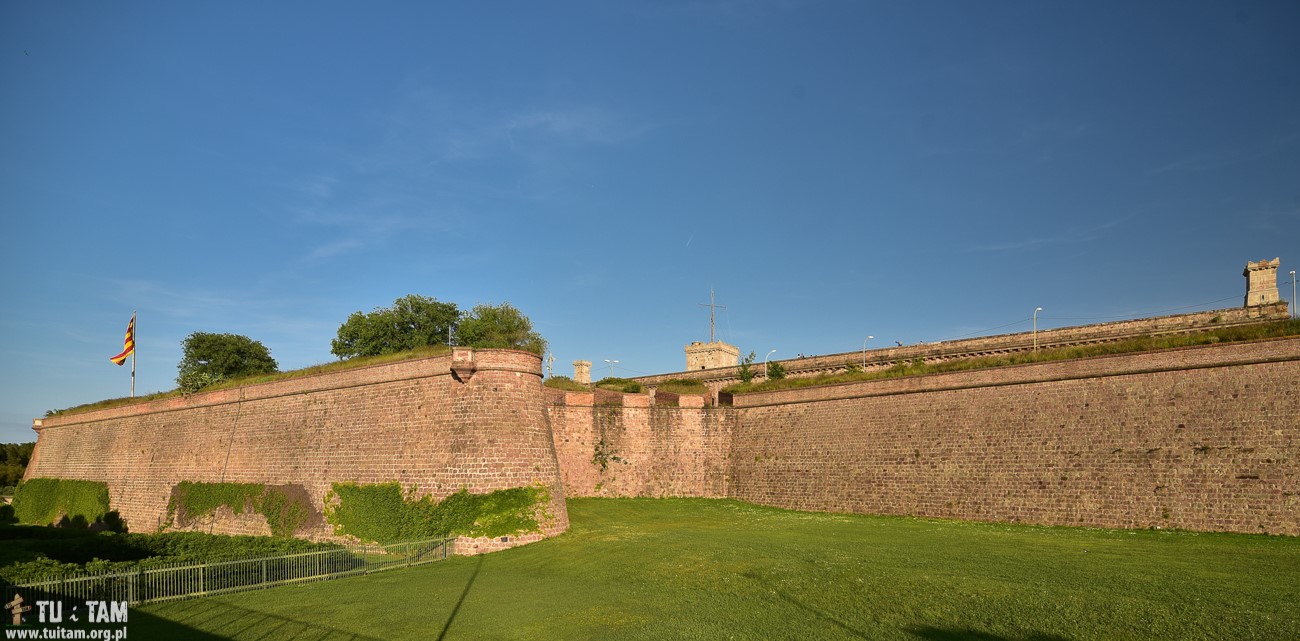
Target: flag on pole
{"x":128,"y":347}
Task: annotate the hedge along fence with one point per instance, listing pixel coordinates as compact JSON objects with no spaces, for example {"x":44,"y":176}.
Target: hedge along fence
{"x":287,"y":508}
{"x":382,"y":513}
{"x":42,"y":501}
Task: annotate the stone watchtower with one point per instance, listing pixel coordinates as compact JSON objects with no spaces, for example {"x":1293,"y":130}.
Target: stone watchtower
{"x":1261,"y":282}
{"x":711,"y":354}
{"x":582,"y":372}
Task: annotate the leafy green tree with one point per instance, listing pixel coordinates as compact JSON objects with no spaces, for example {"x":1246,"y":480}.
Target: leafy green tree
{"x":209,"y":358}
{"x":13,"y":462}
{"x":500,"y":326}
{"x":775,"y":371}
{"x":411,"y":322}
{"x":746,"y":372}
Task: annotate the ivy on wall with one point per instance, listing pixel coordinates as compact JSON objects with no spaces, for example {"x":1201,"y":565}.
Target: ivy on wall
{"x":43,"y":501}
{"x":381,"y":512}
{"x":287,"y":508}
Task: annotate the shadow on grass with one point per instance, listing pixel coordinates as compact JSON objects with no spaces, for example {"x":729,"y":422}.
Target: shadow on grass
{"x":468,"y":584}
{"x":824,"y":616}
{"x":209,"y":620}
{"x":930,"y":633}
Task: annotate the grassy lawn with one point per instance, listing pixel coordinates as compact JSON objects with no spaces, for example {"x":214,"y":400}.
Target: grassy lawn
{"x":714,"y":569}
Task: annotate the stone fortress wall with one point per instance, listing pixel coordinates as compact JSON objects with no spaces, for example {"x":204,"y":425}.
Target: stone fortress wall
{"x":1003,"y":344}
{"x":472,"y":419}
{"x":1201,"y":438}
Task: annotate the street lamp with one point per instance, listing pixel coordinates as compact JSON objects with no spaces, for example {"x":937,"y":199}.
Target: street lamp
{"x":1036,"y":310}
{"x":864,"y":351}
{"x":765,"y":363}
{"x":611,"y":367}
{"x":1293,"y":307}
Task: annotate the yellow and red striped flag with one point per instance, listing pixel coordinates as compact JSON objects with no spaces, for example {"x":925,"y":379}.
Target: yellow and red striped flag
{"x":128,"y":347}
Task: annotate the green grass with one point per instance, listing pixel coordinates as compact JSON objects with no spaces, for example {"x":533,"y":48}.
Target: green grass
{"x":1259,"y":331}
{"x":565,"y":383}
{"x":683,"y":386}
{"x":715,"y":569}
{"x":351,"y":363}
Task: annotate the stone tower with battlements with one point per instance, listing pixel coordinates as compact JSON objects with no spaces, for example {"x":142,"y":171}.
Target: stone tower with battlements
{"x":710,"y":355}
{"x":1261,"y":282}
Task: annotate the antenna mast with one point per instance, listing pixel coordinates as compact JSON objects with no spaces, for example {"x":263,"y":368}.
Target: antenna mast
{"x":711,"y":305}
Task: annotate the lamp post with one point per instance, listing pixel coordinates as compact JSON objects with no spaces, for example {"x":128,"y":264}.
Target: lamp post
{"x":864,"y":351}
{"x":611,"y":367}
{"x":765,"y":363}
{"x":1293,"y":303}
{"x":1036,"y":310}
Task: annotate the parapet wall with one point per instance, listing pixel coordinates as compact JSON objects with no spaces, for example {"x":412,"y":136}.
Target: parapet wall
{"x":470,"y":420}
{"x":625,"y":445}
{"x":1199,"y":438}
{"x":882,"y":358}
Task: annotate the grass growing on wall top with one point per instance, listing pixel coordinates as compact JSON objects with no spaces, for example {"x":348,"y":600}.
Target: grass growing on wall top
{"x":43,"y":501}
{"x":640,"y":569}
{"x":615,"y":384}
{"x":427,"y":351}
{"x":381,"y":512}
{"x":1240,"y":333}
{"x":565,"y":383}
{"x":683,"y":386}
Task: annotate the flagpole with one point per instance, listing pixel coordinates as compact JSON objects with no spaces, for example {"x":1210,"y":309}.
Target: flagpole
{"x":134,"y":332}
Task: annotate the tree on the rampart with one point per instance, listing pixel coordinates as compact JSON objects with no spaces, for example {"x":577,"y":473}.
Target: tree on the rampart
{"x":411,"y":322}
{"x":775,"y":371}
{"x":211,"y":358}
{"x":499,"y":326}
{"x":746,"y":373}
{"x":414,"y":321}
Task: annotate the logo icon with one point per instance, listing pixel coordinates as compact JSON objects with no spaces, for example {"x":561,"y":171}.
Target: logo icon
{"x":17,"y":608}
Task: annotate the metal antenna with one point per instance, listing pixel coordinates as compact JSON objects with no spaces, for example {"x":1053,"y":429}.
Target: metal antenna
{"x":711,"y":305}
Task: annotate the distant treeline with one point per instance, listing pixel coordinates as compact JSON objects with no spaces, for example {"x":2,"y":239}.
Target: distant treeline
{"x":13,"y":462}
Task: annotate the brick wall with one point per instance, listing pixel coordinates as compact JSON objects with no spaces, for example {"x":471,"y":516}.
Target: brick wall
{"x":419,"y":422}
{"x":1199,"y":438}
{"x":649,"y":450}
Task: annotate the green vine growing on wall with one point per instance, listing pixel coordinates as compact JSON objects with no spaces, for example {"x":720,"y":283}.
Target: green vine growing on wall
{"x":287,"y":508}
{"x":382,"y":512}
{"x":43,"y":501}
{"x":605,"y":454}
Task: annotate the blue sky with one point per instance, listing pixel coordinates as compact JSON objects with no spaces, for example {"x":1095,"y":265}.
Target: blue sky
{"x":914,"y":171}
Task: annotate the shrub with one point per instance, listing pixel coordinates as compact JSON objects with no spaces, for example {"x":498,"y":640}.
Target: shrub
{"x":684,"y":386}
{"x":43,"y":501}
{"x":7,"y":514}
{"x":775,"y":371}
{"x":565,"y":383}
{"x":620,"y":385}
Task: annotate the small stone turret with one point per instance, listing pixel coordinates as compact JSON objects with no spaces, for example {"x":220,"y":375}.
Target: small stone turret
{"x":582,"y":372}
{"x":1261,"y":282}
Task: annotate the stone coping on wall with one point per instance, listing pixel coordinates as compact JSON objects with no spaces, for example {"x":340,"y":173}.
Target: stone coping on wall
{"x":603,"y":397}
{"x":1264,"y":351}
{"x":881,"y":358}
{"x":464,"y":360}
